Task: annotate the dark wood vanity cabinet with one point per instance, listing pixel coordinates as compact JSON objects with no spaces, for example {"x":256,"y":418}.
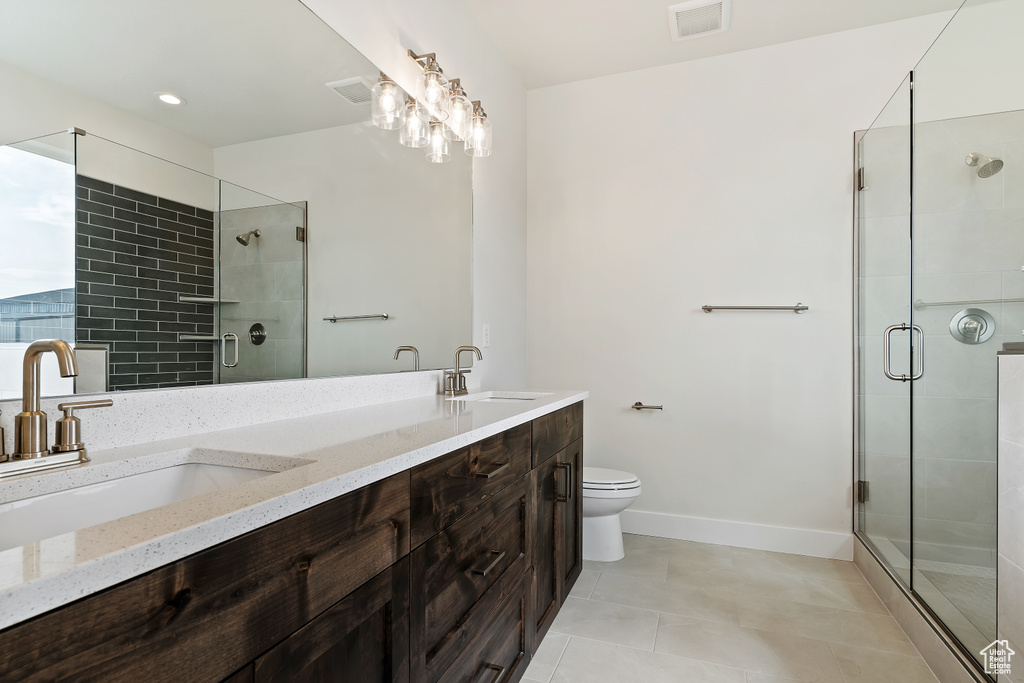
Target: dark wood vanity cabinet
{"x":450,"y":572}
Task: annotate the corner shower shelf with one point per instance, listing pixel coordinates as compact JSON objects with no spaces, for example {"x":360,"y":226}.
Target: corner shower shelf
{"x":206,"y":300}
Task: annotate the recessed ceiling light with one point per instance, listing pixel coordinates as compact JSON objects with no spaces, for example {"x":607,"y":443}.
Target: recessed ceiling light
{"x":170,"y":98}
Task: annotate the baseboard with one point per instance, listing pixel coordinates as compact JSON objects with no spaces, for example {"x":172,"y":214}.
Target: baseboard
{"x":828,"y":544}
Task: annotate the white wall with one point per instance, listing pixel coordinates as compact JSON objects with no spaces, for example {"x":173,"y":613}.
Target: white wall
{"x":1011,"y":502}
{"x":720,"y":181}
{"x":383,"y":31}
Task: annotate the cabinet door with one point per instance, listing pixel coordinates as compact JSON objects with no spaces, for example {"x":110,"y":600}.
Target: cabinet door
{"x":364,"y":637}
{"x":569,"y":516}
{"x":557,"y":551}
{"x":546,"y":584}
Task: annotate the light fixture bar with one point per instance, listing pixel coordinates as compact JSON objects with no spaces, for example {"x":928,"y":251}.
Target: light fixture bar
{"x":422,"y":59}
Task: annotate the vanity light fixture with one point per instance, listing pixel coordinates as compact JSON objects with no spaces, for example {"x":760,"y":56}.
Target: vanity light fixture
{"x":442,"y":113}
{"x":437,"y":149}
{"x":415,"y":131}
{"x":387,"y":104}
{"x":433,"y":87}
{"x":170,"y":98}
{"x":478,"y":140}
{"x":460,"y":112}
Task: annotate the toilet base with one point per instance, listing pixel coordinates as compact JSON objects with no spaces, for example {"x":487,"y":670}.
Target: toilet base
{"x":602,"y":538}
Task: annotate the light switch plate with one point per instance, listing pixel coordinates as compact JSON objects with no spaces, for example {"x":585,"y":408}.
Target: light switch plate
{"x":486,"y":336}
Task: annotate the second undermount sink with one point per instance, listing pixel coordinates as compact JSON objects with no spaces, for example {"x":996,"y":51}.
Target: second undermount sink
{"x":155,"y":481}
{"x":502,"y":396}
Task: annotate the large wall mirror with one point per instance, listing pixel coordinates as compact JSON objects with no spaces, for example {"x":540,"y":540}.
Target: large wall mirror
{"x":208,"y":241}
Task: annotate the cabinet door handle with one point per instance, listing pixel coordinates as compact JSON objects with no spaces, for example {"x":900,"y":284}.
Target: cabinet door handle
{"x":500,"y":555}
{"x":497,"y":468}
{"x":564,"y":497}
{"x":493,"y":670}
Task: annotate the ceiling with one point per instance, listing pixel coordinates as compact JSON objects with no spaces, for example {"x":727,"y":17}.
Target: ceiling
{"x":559,"y":41}
{"x":248,"y":69}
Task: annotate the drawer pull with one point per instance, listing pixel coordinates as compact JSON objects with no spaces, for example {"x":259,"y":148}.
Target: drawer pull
{"x":564,"y":497}
{"x":498,"y":468}
{"x":495,"y":672}
{"x":494,"y":563}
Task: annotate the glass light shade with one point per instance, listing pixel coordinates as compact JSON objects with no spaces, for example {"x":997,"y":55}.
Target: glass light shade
{"x":433,"y":87}
{"x":415,"y":131}
{"x":460,"y":114}
{"x":437,"y":148}
{"x":387,"y":105}
{"x":478,"y":140}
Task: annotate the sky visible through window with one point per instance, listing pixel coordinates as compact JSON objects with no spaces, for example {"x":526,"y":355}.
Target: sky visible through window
{"x":37,"y":223}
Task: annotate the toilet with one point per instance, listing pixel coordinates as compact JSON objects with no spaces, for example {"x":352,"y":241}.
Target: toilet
{"x":606,"y":493}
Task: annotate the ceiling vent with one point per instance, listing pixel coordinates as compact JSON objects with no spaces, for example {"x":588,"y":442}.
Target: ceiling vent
{"x":698,"y":18}
{"x":354,"y":90}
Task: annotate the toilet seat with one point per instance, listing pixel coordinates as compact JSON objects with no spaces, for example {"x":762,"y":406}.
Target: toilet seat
{"x":604,"y":479}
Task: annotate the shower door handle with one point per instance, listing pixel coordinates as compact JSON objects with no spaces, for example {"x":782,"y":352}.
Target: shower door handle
{"x":224,"y":349}
{"x":887,"y":356}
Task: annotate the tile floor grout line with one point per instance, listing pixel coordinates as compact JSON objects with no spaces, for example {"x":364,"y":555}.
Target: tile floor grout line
{"x":836,"y":661}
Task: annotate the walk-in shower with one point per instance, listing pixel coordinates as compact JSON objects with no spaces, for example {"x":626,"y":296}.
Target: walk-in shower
{"x":939,"y":252}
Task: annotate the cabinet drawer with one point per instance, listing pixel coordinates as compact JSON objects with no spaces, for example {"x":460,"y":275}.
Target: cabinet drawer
{"x":364,"y":637}
{"x":498,"y":653}
{"x":446,"y":488}
{"x":454,"y":570}
{"x":555,"y":431}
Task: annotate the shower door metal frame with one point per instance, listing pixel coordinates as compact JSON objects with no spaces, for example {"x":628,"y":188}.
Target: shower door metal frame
{"x":952,"y":643}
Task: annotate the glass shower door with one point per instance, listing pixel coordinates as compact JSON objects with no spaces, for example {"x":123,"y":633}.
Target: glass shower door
{"x":262,"y":285}
{"x":884,"y":366}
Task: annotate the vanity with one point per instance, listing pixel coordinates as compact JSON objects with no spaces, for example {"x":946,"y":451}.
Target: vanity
{"x":419,"y":540}
{"x":344,"y":523}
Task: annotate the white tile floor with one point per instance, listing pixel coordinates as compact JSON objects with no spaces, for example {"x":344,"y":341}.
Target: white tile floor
{"x":682,"y":612}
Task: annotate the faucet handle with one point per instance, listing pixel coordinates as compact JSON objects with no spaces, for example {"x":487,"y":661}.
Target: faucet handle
{"x":3,"y":448}
{"x":68,"y":429}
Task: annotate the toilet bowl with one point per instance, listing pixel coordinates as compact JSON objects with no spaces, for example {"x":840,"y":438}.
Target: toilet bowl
{"x":606,"y":493}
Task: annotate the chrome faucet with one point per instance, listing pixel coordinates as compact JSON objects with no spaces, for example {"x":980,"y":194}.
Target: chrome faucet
{"x":415,"y":352}
{"x":455,"y":379}
{"x":30,"y":423}
{"x":30,"y":451}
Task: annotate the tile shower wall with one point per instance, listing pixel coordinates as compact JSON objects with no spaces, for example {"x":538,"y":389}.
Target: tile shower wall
{"x":968,"y":246}
{"x":137,"y":255}
{"x":267,"y":279}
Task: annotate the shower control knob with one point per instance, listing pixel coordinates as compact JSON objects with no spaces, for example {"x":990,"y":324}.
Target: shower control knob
{"x":972,"y":326}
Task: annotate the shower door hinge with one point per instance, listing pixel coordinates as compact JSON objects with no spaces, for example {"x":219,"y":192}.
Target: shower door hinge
{"x":300,"y":233}
{"x":863,"y":494}
{"x":860,"y":179}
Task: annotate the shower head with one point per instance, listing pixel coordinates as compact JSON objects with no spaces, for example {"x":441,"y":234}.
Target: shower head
{"x":987,"y":166}
{"x":244,"y":239}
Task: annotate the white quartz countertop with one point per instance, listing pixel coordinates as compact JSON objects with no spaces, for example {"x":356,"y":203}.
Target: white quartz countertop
{"x":335,"y":453}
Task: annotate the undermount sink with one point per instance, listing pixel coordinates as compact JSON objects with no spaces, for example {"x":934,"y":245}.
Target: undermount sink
{"x":164,"y":478}
{"x":502,"y":396}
